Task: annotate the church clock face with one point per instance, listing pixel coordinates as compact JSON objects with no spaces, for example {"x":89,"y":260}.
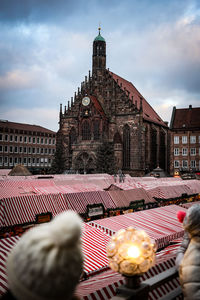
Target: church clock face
{"x":86,"y":101}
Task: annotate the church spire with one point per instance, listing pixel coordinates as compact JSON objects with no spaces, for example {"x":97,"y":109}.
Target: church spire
{"x":99,"y":53}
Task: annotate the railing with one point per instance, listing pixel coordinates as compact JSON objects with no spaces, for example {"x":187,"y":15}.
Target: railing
{"x":144,"y":288}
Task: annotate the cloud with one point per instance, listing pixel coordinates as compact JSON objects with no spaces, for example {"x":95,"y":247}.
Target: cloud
{"x":37,"y":116}
{"x":46,"y":51}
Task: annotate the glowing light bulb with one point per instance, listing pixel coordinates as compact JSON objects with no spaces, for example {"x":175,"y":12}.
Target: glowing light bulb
{"x":133,"y":251}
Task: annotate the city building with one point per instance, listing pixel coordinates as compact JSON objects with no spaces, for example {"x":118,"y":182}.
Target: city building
{"x":30,"y":145}
{"x":185,"y":140}
{"x":107,"y":107}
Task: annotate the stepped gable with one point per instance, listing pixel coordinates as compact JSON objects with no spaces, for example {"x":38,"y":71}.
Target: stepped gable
{"x":149,"y":113}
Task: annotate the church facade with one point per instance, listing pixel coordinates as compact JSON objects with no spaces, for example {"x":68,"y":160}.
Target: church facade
{"x":109,"y":108}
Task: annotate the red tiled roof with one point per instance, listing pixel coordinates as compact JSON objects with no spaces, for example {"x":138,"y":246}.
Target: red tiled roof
{"x":186,"y":118}
{"x":23,"y":126}
{"x":98,"y":106}
{"x":149,"y":113}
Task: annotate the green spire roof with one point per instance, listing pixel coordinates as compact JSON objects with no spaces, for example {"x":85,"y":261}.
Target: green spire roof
{"x":99,"y":37}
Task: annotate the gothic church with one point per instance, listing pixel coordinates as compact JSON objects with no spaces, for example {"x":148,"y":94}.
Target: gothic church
{"x":108,"y":107}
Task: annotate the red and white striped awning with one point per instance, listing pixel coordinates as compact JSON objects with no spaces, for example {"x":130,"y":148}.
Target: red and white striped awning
{"x":20,"y":210}
{"x":103,"y":286}
{"x":161,"y":223}
{"x":94,"y":243}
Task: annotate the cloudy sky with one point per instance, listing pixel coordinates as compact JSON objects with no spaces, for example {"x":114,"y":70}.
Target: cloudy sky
{"x":46,"y":51}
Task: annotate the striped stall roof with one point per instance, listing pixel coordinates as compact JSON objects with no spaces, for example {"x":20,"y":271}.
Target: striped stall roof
{"x":103,"y":286}
{"x":94,"y":243}
{"x":160,"y":223}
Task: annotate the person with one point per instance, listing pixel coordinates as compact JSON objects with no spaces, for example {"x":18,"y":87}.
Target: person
{"x":185,"y":242}
{"x":47,"y":261}
{"x":189,"y":269}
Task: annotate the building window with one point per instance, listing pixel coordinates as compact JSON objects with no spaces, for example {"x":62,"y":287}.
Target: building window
{"x":53,"y":151}
{"x":38,"y":150}
{"x":20,"y":160}
{"x":10,"y":160}
{"x":25,"y":150}
{"x":176,"y":139}
{"x":33,"y":140}
{"x":16,"y":149}
{"x":86,"y":132}
{"x":25,"y":160}
{"x":176,"y":164}
{"x":11,"y":149}
{"x":184,"y":151}
{"x":184,"y":163}
{"x":33,"y":150}
{"x":193,"y":151}
{"x":38,"y":140}
{"x":25,"y":139}
{"x":45,"y":150}
{"x":1,"y":137}
{"x":38,"y":160}
{"x":1,"y":160}
{"x":46,"y":160}
{"x":49,"y":141}
{"x":29,"y":150}
{"x":41,"y":160}
{"x":11,"y":138}
{"x":5,"y":148}
{"x":53,"y":141}
{"x":126,"y":147}
{"x":5,"y":159}
{"x":6,"y":137}
{"x":29,"y":139}
{"x":1,"y":148}
{"x":42,"y":140}
{"x":46,"y":141}
{"x":16,"y":160}
{"x":33,"y":160}
{"x":20,"y":149}
{"x":184,"y":139}
{"x":72,"y":137}
{"x":29,"y":160}
{"x":193,"y":163}
{"x":20,"y":139}
{"x":49,"y":160}
{"x":193,"y":139}
{"x":96,"y":130}
{"x":176,"y":151}
{"x":50,"y":151}
{"x":16,"y":138}
{"x":42,"y":151}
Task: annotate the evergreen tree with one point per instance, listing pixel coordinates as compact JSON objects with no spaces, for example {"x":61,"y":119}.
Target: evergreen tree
{"x":59,"y":162}
{"x":105,"y":158}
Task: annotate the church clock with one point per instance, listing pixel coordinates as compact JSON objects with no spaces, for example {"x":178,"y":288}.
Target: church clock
{"x":86,"y":101}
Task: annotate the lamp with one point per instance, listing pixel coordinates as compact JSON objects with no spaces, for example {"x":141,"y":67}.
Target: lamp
{"x":131,"y":252}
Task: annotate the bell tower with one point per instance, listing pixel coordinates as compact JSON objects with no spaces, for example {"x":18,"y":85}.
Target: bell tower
{"x":99,"y":53}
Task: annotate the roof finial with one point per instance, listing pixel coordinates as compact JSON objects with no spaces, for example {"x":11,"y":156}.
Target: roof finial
{"x":99,"y":28}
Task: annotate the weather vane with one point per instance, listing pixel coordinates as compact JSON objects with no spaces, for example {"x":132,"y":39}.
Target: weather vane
{"x":99,"y":27}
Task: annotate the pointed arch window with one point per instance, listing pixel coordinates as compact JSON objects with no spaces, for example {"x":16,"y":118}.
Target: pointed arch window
{"x":72,"y":136}
{"x":117,"y":138}
{"x":126,"y":147}
{"x":96,"y":126}
{"x":86,"y":130}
